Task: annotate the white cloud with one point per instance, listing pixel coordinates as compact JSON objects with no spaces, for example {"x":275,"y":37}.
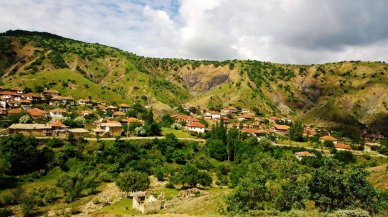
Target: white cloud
{"x":292,"y":31}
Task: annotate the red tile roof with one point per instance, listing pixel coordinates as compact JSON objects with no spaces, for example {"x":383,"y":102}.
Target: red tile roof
{"x":281,"y":127}
{"x":35,"y":112}
{"x":327,"y":138}
{"x":196,"y":125}
{"x":57,"y":124}
{"x":15,"y":111}
{"x":342,"y":146}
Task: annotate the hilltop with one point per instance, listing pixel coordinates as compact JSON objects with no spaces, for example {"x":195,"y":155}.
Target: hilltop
{"x":347,"y":96}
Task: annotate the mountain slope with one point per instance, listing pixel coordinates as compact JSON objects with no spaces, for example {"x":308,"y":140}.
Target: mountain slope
{"x":317,"y":94}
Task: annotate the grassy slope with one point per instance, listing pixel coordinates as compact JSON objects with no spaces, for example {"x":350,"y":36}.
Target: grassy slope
{"x":77,"y":89}
{"x":357,"y":89}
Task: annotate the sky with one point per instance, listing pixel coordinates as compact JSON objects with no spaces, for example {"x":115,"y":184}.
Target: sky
{"x":283,"y":31}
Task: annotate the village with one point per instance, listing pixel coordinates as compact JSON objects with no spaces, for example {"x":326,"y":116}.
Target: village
{"x":44,"y":114}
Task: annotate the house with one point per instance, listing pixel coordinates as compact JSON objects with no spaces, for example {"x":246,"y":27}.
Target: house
{"x":245,"y":117}
{"x":342,"y":147}
{"x":86,"y":113}
{"x":57,"y":113}
{"x":184,"y":118}
{"x":79,"y":132}
{"x":118,"y":114}
{"x":245,"y":110}
{"x":112,"y":128}
{"x":51,"y":93}
{"x":58,"y":129}
{"x":215,"y":115}
{"x":196,"y":127}
{"x":3,"y":111}
{"x":84,"y":102}
{"x":255,"y":132}
{"x":374,"y":136}
{"x":101,"y":108}
{"x":18,"y":90}
{"x":328,"y":138}
{"x":274,"y":119}
{"x":229,"y":110}
{"x":25,"y":104}
{"x":14,"y":111}
{"x":132,"y":120}
{"x":8,"y":95}
{"x":29,"y":129}
{"x":145,"y":205}
{"x":98,"y":132}
{"x":13,"y":103}
{"x":58,"y":125}
{"x":111,"y":108}
{"x":309,"y":132}
{"x":303,"y":154}
{"x":281,"y":128}
{"x":33,"y":97}
{"x":62,"y":100}
{"x":369,"y":146}
{"x":124,"y":107}
{"x":36,"y":113}
{"x":3,"y":104}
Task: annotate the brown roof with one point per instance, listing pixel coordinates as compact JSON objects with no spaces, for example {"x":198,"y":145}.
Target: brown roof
{"x":256,"y":131}
{"x":8,"y":93}
{"x":86,"y":112}
{"x":57,"y":124}
{"x":196,"y":125}
{"x":118,"y":113}
{"x":184,"y":118}
{"x":342,"y":146}
{"x":14,"y":111}
{"x":17,"y":89}
{"x":36,"y":112}
{"x":275,"y":118}
{"x":132,"y":120}
{"x":58,"y":110}
{"x":25,"y":101}
{"x":281,"y":127}
{"x":32,"y":95}
{"x":327,"y":138}
{"x":29,"y":126}
{"x":246,"y":116}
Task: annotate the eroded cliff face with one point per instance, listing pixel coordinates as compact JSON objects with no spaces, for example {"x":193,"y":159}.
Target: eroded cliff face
{"x":203,"y":78}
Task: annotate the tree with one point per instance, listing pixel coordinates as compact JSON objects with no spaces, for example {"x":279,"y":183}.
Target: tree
{"x":133,"y":181}
{"x":231,"y":141}
{"x":23,"y":154}
{"x":328,"y":188}
{"x":190,"y":175}
{"x":296,"y":132}
{"x":167,"y":120}
{"x":216,"y":149}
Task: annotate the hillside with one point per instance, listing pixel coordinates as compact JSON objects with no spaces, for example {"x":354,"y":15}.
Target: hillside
{"x":345,"y":95}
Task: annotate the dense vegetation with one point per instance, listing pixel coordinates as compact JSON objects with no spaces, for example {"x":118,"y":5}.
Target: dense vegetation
{"x":264,"y":177}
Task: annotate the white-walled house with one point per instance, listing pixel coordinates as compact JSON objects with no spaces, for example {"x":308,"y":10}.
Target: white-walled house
{"x":57,"y":113}
{"x":196,"y":127}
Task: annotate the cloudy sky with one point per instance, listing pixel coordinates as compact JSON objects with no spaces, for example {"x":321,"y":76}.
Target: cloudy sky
{"x":286,"y":31}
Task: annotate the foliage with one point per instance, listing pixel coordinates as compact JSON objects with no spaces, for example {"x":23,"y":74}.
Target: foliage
{"x":190,"y":175}
{"x":23,"y":154}
{"x":132,"y":181}
{"x":296,"y":132}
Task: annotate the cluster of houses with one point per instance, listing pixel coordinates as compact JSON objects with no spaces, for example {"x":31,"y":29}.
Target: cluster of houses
{"x":16,"y":101}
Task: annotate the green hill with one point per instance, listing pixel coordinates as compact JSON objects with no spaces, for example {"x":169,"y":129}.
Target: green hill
{"x":334,"y":94}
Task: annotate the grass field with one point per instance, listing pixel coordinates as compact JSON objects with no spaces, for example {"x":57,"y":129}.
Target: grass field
{"x":177,"y":133}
